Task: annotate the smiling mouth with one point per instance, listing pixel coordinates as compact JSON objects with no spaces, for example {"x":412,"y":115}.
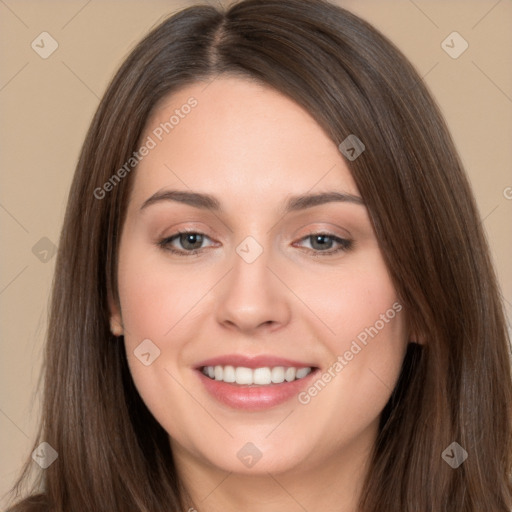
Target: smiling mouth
{"x":263,"y":376}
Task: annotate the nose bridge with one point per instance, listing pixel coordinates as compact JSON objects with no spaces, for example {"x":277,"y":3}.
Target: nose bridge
{"x":252,"y":296}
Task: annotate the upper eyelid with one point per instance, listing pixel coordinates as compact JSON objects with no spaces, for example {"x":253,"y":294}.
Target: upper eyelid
{"x":197,"y":232}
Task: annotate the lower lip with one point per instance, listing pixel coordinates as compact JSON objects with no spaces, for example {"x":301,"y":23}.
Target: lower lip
{"x":254,"y":398}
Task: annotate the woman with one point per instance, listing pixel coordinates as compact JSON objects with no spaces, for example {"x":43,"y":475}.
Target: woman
{"x":272,"y":290}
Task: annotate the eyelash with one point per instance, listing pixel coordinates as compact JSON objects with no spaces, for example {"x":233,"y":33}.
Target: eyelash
{"x":344,"y":244}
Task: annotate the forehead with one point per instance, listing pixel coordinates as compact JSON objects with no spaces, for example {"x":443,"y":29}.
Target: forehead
{"x":233,"y":137}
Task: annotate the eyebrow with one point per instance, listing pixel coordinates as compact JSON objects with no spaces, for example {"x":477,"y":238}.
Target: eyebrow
{"x":209,"y":202}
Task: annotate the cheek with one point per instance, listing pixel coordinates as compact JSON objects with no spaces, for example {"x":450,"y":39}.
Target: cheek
{"x":352,"y":301}
{"x":160,"y":302}
{"x":363,"y":326}
{"x":366,"y":372}
{"x":154,"y":296}
{"x":156,"y":305}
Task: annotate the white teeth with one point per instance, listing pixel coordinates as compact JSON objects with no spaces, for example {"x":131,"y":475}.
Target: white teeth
{"x":289,"y":374}
{"x":263,"y":376}
{"x":277,"y":374}
{"x":302,"y":372}
{"x":243,"y":375}
{"x":229,"y":374}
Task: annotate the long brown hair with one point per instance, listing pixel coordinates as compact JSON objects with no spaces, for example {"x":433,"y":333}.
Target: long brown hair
{"x":456,"y":387}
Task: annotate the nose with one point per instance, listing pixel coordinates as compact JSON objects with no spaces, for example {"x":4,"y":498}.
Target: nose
{"x":251,"y":298}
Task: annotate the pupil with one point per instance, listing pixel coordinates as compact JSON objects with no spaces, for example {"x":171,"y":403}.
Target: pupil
{"x":190,"y":239}
{"x":323,"y":241}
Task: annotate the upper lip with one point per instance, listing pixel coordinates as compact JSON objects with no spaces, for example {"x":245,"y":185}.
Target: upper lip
{"x":252,"y":362}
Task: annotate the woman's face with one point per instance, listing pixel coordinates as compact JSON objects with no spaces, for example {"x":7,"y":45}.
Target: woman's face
{"x":271,"y":276}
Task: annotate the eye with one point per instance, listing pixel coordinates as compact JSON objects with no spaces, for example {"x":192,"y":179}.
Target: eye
{"x":189,"y":242}
{"x":325,"y":244}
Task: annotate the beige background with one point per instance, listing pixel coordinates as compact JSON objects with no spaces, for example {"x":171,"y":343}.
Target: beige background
{"x":47,"y":104}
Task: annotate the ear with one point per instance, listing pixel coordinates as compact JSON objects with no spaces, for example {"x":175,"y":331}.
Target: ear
{"x":116,"y":321}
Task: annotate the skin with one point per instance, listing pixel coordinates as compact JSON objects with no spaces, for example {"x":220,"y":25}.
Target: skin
{"x":252,"y":148}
